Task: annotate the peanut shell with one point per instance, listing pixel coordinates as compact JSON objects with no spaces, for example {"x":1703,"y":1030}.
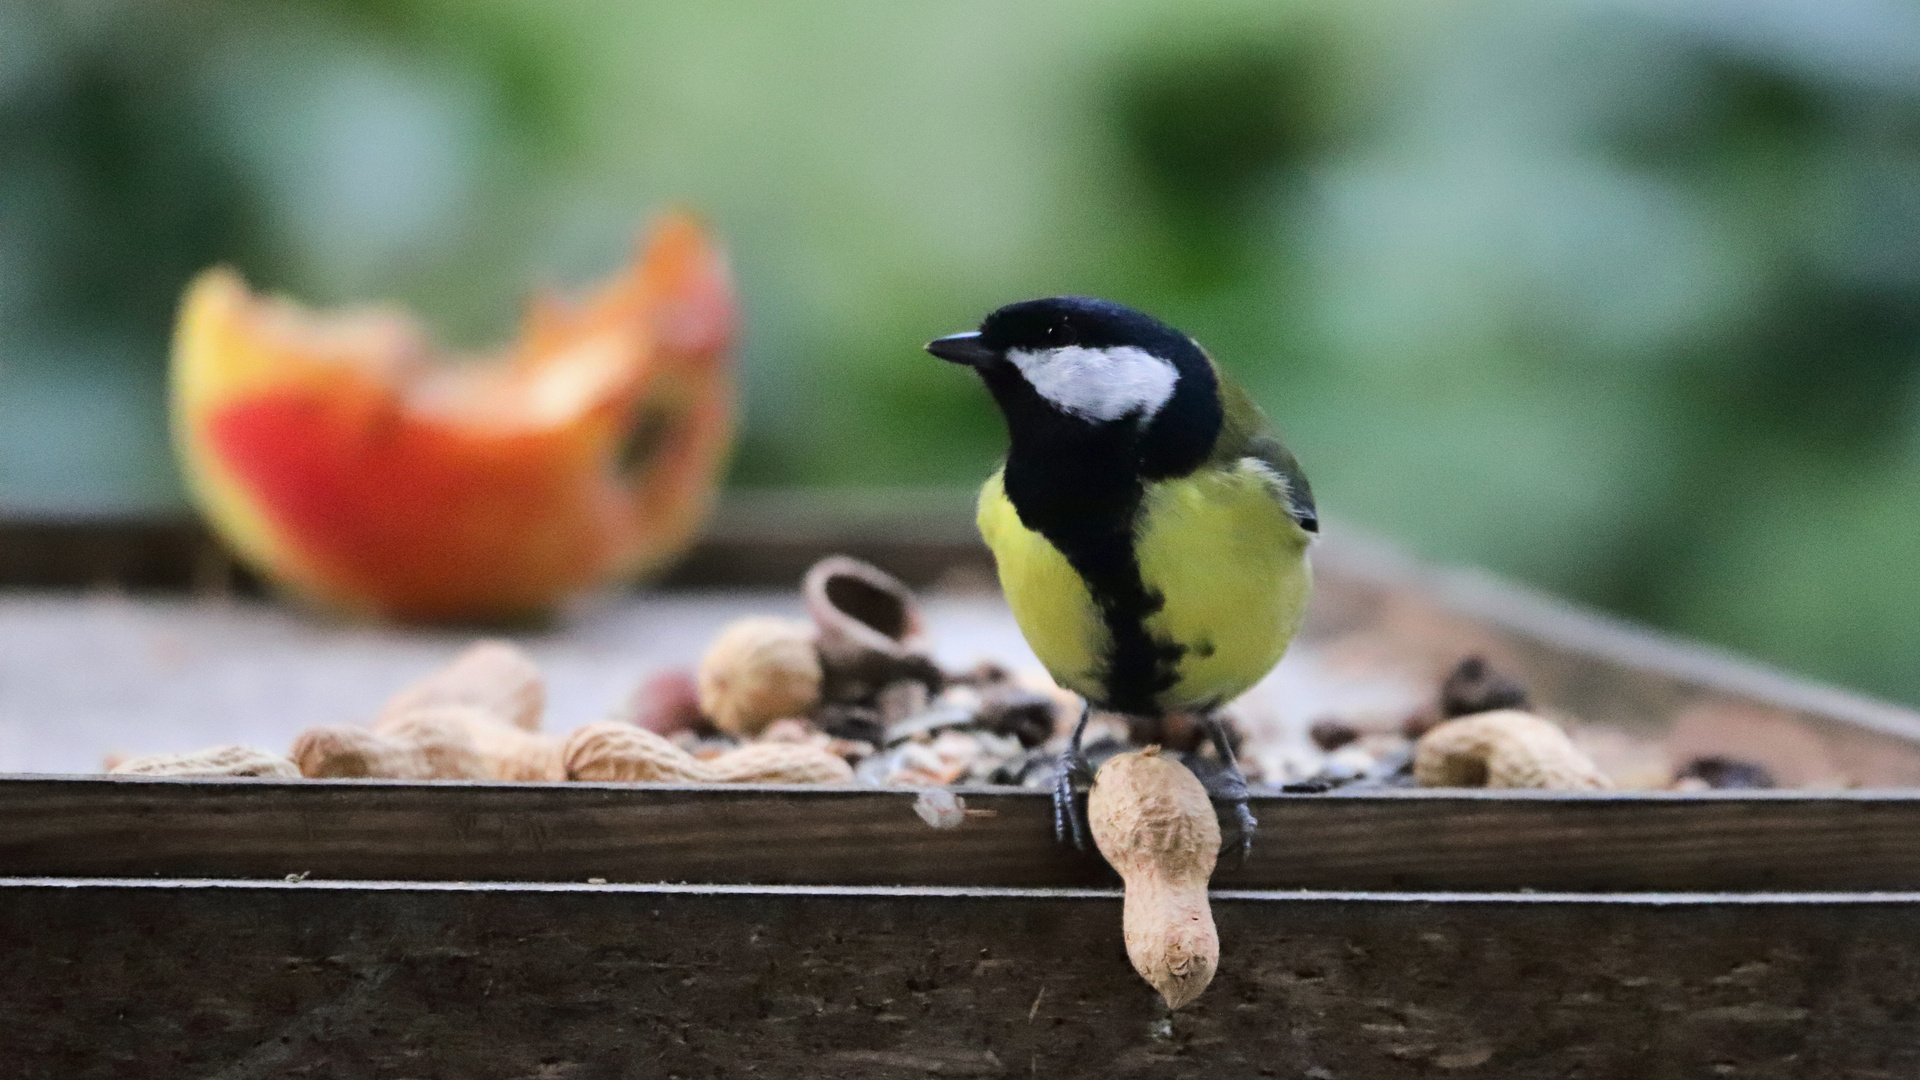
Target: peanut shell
{"x":1152,"y":820}
{"x":1505,"y":748}
{"x":493,"y":675}
{"x":760,"y":669}
{"x":780,"y":763}
{"x":610,"y":750}
{"x":212,"y":761}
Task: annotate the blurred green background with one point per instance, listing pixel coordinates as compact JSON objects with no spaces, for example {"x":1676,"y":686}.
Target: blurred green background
{"x":1620,"y":297}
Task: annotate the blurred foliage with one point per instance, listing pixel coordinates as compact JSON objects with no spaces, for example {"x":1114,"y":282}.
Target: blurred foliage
{"x":1619,"y":296}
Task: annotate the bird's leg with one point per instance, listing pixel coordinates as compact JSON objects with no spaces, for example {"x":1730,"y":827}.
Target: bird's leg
{"x":1229,"y":785}
{"x":1069,"y":819}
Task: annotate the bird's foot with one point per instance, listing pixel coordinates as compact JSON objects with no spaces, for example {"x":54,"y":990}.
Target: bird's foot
{"x":1071,"y":777}
{"x":1229,"y":786}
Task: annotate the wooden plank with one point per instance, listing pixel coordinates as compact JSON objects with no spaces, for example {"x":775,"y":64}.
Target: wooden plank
{"x":169,"y":674}
{"x":1604,"y":671}
{"x":763,"y":539}
{"x":585,"y":983}
{"x":453,"y":831}
{"x":81,"y":676}
{"x":112,"y":552}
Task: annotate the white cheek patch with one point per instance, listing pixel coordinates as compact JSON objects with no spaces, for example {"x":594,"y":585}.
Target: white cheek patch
{"x":1099,"y":384}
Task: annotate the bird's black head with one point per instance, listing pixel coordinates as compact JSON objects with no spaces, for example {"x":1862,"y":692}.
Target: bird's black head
{"x":1062,"y":322}
{"x":1068,"y":364}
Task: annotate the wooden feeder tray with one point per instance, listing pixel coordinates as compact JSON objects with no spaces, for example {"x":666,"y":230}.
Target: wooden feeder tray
{"x":249,"y":928}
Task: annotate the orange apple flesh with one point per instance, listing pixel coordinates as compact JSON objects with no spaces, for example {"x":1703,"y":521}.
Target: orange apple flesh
{"x":345,"y":461}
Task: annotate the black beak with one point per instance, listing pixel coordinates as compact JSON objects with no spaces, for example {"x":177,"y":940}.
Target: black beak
{"x":962,"y":349}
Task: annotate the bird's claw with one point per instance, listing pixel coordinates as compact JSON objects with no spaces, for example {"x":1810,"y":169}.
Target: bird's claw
{"x":1229,"y":787}
{"x":1069,"y":806}
{"x":1244,"y":815}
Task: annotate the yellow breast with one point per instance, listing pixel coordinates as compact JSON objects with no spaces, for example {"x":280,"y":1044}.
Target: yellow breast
{"x":1049,"y":601}
{"x":1217,"y":546}
{"x":1232,"y":567}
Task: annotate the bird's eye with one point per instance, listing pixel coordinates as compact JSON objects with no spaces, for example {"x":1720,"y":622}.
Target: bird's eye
{"x":1059,"y":335}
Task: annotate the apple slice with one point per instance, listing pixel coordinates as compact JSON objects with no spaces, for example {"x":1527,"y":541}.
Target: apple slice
{"x":349,"y":463}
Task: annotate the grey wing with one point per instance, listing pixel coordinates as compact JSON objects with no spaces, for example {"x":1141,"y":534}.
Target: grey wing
{"x":1296,"y":494}
{"x":1249,"y":436}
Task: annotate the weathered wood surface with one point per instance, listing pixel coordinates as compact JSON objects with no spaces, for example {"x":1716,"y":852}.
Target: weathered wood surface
{"x":455,"y":831}
{"x":1373,"y":600}
{"x":83,"y":675}
{"x":91,"y":673}
{"x":584,"y":983}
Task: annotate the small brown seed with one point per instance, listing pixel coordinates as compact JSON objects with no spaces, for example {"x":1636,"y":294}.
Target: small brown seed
{"x":1007,"y":709}
{"x":1716,"y":771}
{"x":667,"y":703}
{"x":1420,"y":722}
{"x":1329,"y":734}
{"x":1474,"y":687}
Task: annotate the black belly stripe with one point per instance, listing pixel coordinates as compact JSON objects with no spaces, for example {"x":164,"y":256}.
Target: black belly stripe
{"x":1137,"y":667}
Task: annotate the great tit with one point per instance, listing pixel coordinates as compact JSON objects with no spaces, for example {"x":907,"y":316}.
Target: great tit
{"x":1149,"y":529}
